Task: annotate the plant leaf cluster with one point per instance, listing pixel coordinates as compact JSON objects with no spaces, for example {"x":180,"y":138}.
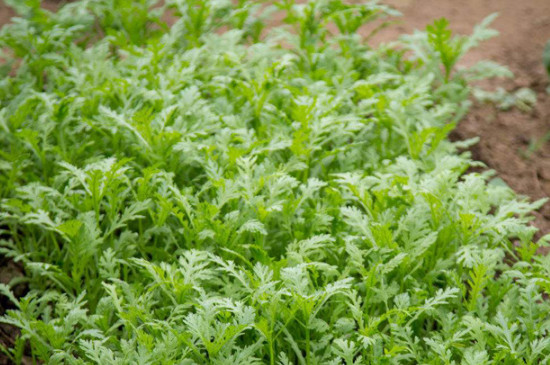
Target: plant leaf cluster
{"x":225,"y":191}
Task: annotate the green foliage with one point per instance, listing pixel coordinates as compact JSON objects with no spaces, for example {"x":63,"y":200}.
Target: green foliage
{"x":546,"y":57}
{"x":222,"y":192}
{"x":449,"y":49}
{"x":535,"y":145}
{"x":524,"y":99}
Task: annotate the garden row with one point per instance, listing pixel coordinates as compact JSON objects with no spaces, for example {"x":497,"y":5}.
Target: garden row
{"x":223,"y":192}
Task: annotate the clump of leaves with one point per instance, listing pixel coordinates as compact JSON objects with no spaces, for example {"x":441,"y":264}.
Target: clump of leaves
{"x":222,"y":192}
{"x":524,"y":99}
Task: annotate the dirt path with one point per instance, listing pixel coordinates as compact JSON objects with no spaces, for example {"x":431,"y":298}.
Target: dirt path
{"x":524,"y":28}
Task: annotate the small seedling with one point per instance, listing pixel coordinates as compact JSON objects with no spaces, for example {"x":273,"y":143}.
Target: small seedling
{"x":535,"y":144}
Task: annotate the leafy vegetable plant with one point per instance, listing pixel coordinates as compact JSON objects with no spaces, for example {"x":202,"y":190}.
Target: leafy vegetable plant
{"x":226,"y":191}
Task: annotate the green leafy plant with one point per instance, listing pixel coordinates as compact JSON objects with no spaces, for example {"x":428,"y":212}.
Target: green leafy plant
{"x":524,"y":99}
{"x":535,"y":145}
{"x":222,"y":191}
{"x":449,"y":49}
{"x":546,"y":57}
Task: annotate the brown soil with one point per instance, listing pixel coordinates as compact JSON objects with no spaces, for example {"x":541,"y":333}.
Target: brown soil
{"x":5,"y":13}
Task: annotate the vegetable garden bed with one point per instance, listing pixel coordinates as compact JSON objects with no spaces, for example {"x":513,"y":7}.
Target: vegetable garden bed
{"x":217,"y":192}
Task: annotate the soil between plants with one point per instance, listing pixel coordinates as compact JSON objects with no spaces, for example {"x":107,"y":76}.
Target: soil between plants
{"x":524,"y":28}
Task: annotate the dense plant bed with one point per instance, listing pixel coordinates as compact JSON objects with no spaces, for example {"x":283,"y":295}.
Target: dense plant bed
{"x":215,"y":192}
